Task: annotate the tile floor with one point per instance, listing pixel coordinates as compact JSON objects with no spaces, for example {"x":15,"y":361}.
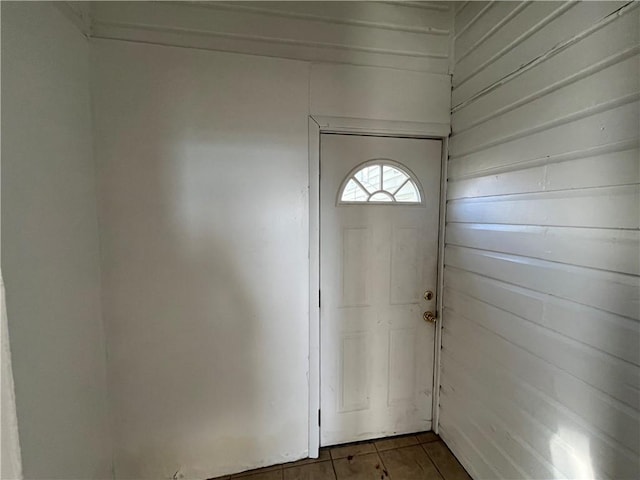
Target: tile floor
{"x":408,"y":457}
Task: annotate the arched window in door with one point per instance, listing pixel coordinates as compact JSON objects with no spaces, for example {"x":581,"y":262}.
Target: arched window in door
{"x":380,"y":181}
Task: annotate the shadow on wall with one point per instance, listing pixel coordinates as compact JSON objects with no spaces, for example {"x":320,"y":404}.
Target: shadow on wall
{"x":195,"y":255}
{"x":203,"y":168}
{"x":184,"y":339}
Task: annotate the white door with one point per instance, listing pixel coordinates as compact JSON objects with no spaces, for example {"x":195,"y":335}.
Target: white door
{"x":379,"y":208}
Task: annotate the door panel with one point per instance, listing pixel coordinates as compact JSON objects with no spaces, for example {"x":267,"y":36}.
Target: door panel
{"x":377,"y":260}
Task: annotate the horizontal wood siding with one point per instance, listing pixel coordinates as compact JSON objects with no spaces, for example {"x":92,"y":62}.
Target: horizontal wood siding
{"x":407,"y":36}
{"x":541,"y":325}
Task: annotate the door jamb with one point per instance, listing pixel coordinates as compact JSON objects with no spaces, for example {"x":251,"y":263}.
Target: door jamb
{"x":324,"y":124}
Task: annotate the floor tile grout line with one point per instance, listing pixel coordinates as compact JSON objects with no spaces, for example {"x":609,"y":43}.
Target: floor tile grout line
{"x":333,"y":465}
{"x":432,"y":460}
{"x":375,"y":446}
{"x":384,"y":467}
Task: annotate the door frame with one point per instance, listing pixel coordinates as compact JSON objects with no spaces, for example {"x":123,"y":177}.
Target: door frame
{"x":325,"y":124}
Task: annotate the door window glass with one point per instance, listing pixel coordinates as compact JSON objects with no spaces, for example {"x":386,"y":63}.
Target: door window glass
{"x":380,"y":181}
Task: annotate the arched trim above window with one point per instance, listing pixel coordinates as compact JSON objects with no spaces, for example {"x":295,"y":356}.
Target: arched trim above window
{"x":380,"y":181}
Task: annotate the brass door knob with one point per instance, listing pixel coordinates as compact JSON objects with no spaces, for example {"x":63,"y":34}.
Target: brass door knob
{"x":429,"y":317}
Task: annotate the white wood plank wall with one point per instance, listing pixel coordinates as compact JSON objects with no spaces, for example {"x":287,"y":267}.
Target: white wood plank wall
{"x":406,"y":35}
{"x":541,"y":340}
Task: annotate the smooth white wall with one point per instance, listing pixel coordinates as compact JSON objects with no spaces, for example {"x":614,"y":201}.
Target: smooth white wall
{"x":202,"y":161}
{"x":541,"y":358}
{"x":379,"y":93}
{"x":50,"y":254}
